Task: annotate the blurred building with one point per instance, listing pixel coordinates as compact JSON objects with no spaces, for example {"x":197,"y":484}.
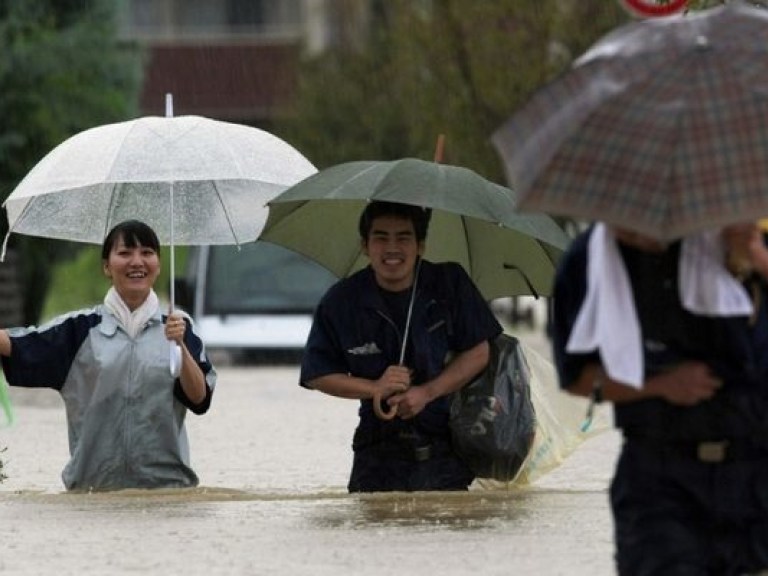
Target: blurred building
{"x":233,"y":60}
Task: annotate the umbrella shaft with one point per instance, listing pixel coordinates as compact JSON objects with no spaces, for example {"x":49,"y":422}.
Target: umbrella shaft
{"x":173,"y":260}
{"x":410,"y":312}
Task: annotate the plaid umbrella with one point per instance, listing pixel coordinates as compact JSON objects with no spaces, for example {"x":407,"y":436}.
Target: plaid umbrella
{"x":661,"y":127}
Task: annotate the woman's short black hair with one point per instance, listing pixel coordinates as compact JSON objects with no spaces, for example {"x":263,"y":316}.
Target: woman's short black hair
{"x":134,"y":233}
{"x":378,"y":208}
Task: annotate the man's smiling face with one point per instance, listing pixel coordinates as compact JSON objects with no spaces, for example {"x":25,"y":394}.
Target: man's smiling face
{"x":392,"y":249}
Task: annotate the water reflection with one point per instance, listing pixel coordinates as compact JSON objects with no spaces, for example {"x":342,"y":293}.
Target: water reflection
{"x":452,"y":510}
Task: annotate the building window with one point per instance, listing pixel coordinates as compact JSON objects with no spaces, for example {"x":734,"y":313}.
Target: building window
{"x":178,"y":19}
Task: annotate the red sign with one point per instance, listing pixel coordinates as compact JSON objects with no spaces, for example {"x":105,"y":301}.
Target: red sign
{"x":647,"y":8}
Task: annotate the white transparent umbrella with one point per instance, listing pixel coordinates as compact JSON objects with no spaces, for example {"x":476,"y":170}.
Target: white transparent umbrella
{"x":221,"y":175}
{"x":194,"y":180}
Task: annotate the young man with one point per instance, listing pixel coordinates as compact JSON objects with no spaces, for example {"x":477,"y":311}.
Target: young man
{"x":355,"y":345}
{"x":678,"y":344}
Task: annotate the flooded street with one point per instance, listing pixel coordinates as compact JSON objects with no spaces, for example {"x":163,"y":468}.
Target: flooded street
{"x":273,"y":461}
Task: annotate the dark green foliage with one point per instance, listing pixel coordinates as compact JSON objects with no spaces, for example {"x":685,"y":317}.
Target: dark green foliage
{"x":453,"y":67}
{"x":62,"y":70}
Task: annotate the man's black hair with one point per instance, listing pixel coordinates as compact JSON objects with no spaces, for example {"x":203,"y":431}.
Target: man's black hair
{"x":134,"y":233}
{"x":378,"y":208}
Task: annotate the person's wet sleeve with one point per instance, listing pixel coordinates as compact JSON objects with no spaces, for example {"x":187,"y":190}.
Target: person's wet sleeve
{"x":195,"y":346}
{"x":42,"y":357}
{"x":323,"y":353}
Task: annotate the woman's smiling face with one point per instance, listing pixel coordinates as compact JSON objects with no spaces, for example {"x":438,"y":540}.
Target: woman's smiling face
{"x":133,"y":271}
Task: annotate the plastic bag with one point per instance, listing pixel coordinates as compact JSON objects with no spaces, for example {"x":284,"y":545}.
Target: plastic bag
{"x":493,"y":421}
{"x":559,"y":423}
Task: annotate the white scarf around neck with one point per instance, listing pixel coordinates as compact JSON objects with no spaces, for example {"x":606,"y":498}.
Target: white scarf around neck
{"x":131,"y":322}
{"x":607,"y":321}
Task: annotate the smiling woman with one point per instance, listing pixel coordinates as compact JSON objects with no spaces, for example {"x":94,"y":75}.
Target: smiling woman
{"x":99,"y":358}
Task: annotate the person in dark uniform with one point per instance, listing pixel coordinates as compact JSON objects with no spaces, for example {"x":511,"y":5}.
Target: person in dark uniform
{"x":355,"y":350}
{"x":688,"y":382}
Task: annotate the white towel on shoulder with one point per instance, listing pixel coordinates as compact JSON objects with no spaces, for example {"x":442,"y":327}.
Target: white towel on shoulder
{"x":132,"y":322}
{"x":706,"y":286}
{"x":607,"y":321}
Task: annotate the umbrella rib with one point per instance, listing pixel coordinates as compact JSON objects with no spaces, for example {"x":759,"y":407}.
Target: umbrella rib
{"x":506,"y":266}
{"x":225,"y":209}
{"x":465,"y":228}
{"x":107,"y":176}
{"x":119,"y":150}
{"x":108,"y":219}
{"x":527,"y":281}
{"x":20,"y":219}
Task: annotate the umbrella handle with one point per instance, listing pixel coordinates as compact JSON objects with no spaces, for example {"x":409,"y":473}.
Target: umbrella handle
{"x":175,"y":357}
{"x":381,"y":412}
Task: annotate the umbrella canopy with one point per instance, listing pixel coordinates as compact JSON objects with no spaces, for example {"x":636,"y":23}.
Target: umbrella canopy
{"x":192,"y":179}
{"x":473,"y":222}
{"x":661,"y":127}
{"x":221,"y":175}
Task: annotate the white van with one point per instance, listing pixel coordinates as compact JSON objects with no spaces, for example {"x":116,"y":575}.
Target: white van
{"x":254,"y":303}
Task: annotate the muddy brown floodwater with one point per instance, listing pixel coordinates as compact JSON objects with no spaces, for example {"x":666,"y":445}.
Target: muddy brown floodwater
{"x":273,"y":461}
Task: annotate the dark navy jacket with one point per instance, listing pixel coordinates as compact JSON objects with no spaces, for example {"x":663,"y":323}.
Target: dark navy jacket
{"x":353,"y":333}
{"x":734,"y":348}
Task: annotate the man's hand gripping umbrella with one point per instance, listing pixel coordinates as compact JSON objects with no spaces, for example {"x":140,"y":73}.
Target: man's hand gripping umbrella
{"x":397,"y":378}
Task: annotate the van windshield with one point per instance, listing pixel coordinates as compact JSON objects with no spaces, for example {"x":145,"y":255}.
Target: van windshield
{"x":263,"y":278}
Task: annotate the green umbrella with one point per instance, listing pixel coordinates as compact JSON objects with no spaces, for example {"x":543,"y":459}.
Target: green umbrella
{"x":474,"y":222}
